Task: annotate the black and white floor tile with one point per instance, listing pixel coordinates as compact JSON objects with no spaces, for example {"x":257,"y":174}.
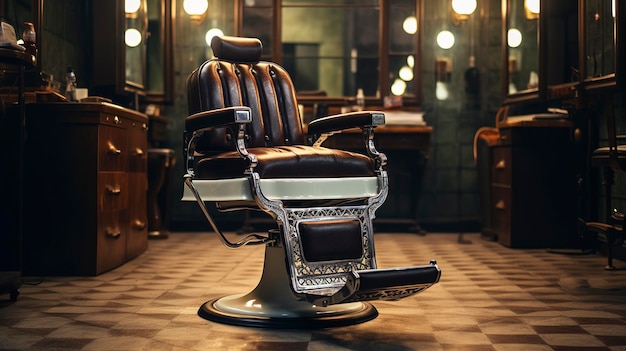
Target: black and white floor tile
{"x":489,"y":298}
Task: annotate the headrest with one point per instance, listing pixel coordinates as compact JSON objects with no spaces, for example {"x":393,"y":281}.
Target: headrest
{"x":237,"y":49}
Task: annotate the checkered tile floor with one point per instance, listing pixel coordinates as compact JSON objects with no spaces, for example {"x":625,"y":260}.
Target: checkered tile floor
{"x":489,"y":298}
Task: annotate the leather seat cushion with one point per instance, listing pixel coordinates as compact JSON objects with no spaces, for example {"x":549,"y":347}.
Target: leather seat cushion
{"x":288,"y":162}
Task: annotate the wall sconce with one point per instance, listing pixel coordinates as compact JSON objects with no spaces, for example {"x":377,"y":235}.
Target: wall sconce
{"x":461,"y":10}
{"x":532,"y":9}
{"x":196,"y":9}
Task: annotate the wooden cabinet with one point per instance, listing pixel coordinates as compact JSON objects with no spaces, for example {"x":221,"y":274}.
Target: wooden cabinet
{"x":407,"y":149}
{"x":534,"y":186}
{"x":85,"y":187}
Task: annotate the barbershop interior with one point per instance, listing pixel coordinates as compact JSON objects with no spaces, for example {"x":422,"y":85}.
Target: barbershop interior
{"x":312,"y":175}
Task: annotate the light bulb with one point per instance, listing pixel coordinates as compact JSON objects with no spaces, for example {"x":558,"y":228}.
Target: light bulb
{"x":195,"y":7}
{"x":514,"y":37}
{"x":464,"y":7}
{"x":410,"y":25}
{"x":213,"y":32}
{"x":132,"y":37}
{"x":533,"y":6}
{"x":445,"y":39}
{"x":410,"y":60}
{"x":131,"y":6}
{"x":441,"y":91}
{"x":406,"y":74}
{"x":398,"y":88}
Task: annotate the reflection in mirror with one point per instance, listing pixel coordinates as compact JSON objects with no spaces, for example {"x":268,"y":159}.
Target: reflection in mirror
{"x":159,"y":52}
{"x":345,"y":62}
{"x":523,"y":45}
{"x":599,"y":44}
{"x":135,"y":40}
{"x":403,"y":29}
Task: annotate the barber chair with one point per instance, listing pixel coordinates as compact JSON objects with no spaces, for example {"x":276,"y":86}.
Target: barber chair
{"x":246,"y":149}
{"x":611,"y":159}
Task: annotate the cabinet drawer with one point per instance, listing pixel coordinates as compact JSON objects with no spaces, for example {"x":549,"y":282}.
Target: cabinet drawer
{"x":112,"y":191}
{"x":501,"y":167}
{"x":111,"y":245}
{"x":501,"y":205}
{"x":138,"y":147}
{"x":113,"y":148}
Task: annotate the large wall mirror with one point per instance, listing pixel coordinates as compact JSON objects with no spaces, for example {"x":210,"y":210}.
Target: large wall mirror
{"x":521,"y":52}
{"x":603,"y":32}
{"x":133,"y":55}
{"x":336,"y":48}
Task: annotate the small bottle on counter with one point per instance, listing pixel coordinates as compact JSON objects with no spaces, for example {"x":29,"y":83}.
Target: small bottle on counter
{"x":360,"y":100}
{"x":70,"y":85}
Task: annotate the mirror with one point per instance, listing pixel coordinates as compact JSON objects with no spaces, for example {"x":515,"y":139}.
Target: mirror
{"x":133,"y":55}
{"x":522,"y":49}
{"x":135,"y":39}
{"x":159,"y":52}
{"x":344,"y":63}
{"x":599,"y":42}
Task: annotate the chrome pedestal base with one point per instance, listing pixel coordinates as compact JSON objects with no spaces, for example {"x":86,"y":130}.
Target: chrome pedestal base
{"x":272,"y":304}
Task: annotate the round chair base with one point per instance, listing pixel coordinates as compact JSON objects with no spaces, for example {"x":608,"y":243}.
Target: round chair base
{"x":239,"y":310}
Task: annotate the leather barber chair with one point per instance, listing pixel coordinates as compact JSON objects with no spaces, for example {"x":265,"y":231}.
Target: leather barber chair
{"x":246,"y":149}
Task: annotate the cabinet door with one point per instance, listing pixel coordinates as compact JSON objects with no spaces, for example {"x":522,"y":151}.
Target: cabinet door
{"x":137,"y":240}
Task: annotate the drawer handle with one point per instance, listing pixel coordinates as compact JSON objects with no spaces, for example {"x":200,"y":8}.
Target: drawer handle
{"x":114,"y":190}
{"x":114,"y":150}
{"x":115,"y":234}
{"x":500,"y":205}
{"x":139,"y":152}
{"x":137,"y":224}
{"x":501,"y":164}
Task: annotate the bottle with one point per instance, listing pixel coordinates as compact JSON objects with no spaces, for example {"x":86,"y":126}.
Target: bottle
{"x":70,"y":84}
{"x":30,"y":40}
{"x":360,"y":100}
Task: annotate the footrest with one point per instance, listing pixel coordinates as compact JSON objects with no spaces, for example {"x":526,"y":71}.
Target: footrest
{"x":396,"y":283}
{"x":381,"y":284}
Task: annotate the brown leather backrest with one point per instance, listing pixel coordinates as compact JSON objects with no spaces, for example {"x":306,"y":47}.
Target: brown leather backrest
{"x":236,"y":77}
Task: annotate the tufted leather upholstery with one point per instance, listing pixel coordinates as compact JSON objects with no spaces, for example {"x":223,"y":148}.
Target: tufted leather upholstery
{"x":237,"y":77}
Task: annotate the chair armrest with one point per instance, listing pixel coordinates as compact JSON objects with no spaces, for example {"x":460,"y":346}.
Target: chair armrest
{"x":223,"y":117}
{"x":345,"y":121}
{"x":234,"y":118}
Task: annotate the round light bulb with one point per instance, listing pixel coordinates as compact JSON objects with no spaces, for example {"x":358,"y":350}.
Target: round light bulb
{"x":464,"y":7}
{"x":441,"y":91}
{"x":410,"y":25}
{"x":533,"y":6}
{"x":398,"y":88}
{"x":410,"y":60}
{"x":514,"y":37}
{"x":213,"y":32}
{"x":406,"y":74}
{"x":445,"y":39}
{"x":132,"y":37}
{"x":132,"y":6}
{"x":195,"y":7}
